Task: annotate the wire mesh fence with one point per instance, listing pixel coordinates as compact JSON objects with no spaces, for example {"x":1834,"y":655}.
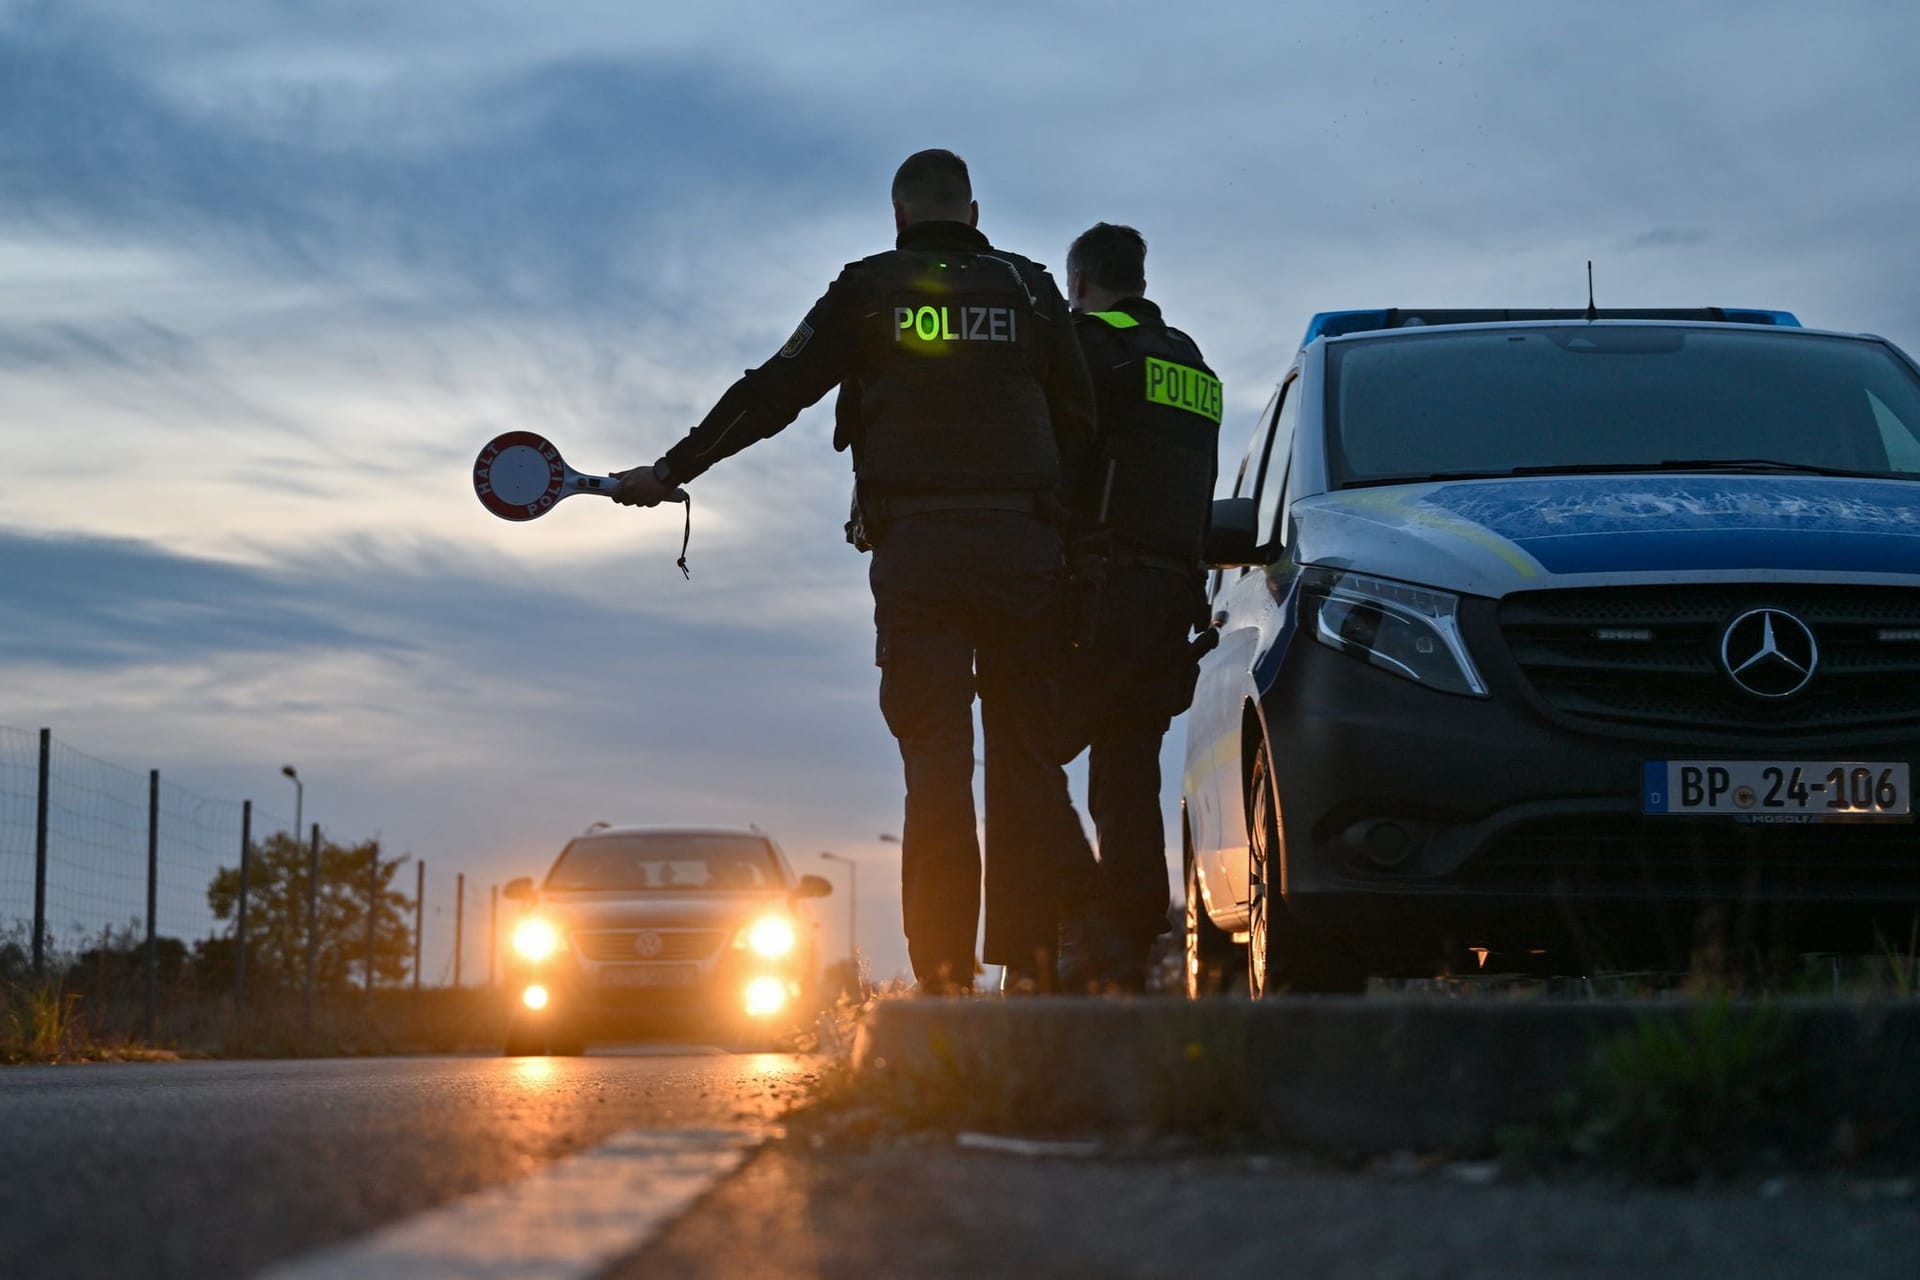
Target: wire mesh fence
{"x":19,"y":800}
{"x":99,"y":859}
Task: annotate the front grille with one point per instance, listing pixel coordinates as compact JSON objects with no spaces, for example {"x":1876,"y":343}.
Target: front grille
{"x":1720,"y":859}
{"x":675,"y":944}
{"x":1669,"y":674}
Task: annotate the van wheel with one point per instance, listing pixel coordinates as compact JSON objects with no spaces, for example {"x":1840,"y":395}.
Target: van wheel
{"x":1213,"y":961}
{"x":1281,"y":957}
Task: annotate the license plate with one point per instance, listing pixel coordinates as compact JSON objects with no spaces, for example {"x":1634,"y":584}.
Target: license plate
{"x":1778,"y":790}
{"x":649,"y":975}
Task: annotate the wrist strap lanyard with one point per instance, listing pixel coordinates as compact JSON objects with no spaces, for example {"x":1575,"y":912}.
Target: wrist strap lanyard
{"x":686,"y":537}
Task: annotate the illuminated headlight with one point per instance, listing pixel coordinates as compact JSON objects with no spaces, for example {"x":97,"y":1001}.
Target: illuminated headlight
{"x":765,"y":997}
{"x":769,"y":936}
{"x":1414,"y":632}
{"x":535,"y":939}
{"x":535,"y":997}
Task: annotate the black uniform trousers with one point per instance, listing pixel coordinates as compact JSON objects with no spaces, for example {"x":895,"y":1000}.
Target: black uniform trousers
{"x":965,"y":602}
{"x":1124,"y":690}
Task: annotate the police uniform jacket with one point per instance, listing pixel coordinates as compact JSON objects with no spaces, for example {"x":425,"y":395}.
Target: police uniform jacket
{"x":959,"y":370}
{"x":1150,"y":479}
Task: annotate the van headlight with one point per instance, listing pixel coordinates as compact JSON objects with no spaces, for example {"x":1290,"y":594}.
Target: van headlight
{"x":535,"y":939}
{"x":1414,"y":632}
{"x":771,"y":937}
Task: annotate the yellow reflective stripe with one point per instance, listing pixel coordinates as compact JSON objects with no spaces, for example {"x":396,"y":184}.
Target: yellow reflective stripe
{"x":1180,"y":386}
{"x":1118,"y":319}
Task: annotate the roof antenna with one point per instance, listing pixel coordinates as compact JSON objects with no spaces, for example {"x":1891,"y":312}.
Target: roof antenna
{"x":1593,"y":312}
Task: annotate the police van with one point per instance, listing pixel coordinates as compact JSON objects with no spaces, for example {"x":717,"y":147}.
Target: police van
{"x":1561,"y":641}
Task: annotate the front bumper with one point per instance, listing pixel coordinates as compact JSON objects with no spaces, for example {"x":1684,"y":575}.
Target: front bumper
{"x":1416,"y":820}
{"x":595,"y":999}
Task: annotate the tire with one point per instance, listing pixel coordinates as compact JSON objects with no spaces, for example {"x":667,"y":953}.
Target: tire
{"x":1212,"y":959}
{"x":1281,"y":957}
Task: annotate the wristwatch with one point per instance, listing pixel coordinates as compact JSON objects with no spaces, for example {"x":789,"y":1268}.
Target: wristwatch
{"x":662,"y":472}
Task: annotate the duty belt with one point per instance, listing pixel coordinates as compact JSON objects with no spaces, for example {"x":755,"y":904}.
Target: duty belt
{"x":915,"y":504}
{"x":1128,"y":558}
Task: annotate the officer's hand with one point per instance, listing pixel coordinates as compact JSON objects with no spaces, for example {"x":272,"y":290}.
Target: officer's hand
{"x":640,"y":487}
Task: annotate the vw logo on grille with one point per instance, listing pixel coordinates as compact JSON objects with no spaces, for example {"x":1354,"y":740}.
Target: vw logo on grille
{"x":1769,"y":653}
{"x":647,"y":944}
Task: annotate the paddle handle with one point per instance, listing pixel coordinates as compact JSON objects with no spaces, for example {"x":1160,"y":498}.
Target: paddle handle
{"x":603,"y":485}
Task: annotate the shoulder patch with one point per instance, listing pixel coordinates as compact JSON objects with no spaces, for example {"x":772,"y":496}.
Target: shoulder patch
{"x":797,"y":342}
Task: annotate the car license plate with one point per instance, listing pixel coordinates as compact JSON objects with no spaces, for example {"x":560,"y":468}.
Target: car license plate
{"x":649,"y":975}
{"x":1778,"y":790}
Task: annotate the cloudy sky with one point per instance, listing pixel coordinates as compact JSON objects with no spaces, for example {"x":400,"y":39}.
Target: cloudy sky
{"x":271,"y":273}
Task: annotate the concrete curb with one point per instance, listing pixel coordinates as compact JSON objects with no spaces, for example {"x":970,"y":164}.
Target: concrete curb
{"x":1355,"y":1075}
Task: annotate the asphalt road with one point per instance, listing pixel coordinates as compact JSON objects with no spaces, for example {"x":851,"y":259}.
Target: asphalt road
{"x":212,"y":1169}
{"x":929,"y":1212}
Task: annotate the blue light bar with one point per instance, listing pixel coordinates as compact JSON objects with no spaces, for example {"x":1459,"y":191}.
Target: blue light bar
{"x":1752,"y":315}
{"x":1332,"y":324}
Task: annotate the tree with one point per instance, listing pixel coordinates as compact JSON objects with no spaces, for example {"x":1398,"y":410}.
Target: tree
{"x":277,"y":913}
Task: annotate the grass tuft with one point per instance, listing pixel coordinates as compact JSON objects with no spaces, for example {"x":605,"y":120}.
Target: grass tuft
{"x":1708,"y":1092}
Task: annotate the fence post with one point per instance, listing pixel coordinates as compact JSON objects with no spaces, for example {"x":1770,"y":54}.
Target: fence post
{"x":419,"y":913}
{"x":240,"y":913}
{"x":313,"y":921}
{"x":153,"y":901}
{"x":459,"y":923}
{"x":493,"y":929}
{"x":373,"y":905}
{"x":40,"y":857}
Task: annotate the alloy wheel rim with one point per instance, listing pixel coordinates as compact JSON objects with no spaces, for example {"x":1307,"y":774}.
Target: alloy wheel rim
{"x":1257,"y":887}
{"x":1192,"y":941}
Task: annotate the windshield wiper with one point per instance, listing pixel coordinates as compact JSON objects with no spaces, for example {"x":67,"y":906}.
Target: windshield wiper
{"x":1716,"y":465}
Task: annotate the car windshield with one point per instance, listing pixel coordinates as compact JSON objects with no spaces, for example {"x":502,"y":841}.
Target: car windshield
{"x":666,"y":860}
{"x":1617,"y":397}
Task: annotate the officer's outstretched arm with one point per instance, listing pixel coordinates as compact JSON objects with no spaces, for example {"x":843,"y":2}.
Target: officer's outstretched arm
{"x":766,"y":400}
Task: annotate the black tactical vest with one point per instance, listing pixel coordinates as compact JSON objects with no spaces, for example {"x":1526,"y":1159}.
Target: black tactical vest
{"x":949,"y":384}
{"x":1152,"y":479}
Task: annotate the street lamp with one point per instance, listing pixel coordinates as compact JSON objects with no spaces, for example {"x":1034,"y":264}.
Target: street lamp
{"x":299,"y":795}
{"x":853,"y":896}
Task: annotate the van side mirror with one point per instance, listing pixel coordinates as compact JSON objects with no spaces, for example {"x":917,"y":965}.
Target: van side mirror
{"x":519,"y":890}
{"x":813,"y":887}
{"x":1231,"y":533}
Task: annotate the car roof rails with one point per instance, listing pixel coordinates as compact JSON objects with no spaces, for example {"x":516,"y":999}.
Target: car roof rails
{"x":1333,"y":324}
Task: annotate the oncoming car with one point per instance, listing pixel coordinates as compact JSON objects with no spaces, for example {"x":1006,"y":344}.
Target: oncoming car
{"x":1564,"y":641}
{"x":633,"y":924}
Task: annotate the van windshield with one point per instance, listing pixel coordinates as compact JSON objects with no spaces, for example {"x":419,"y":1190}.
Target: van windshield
{"x":1617,"y":397}
{"x":669,"y":861}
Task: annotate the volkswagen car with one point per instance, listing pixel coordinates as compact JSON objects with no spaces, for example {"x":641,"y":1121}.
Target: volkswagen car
{"x":1573,"y":639}
{"x":636,"y":928}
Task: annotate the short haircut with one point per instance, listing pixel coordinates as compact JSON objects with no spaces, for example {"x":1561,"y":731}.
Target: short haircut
{"x":1113,"y":257}
{"x":933,"y":182}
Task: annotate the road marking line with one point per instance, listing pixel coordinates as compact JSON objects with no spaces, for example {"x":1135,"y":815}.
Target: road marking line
{"x":571,"y":1219}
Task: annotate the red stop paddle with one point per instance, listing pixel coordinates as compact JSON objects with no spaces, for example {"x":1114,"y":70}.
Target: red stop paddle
{"x":520,"y":476}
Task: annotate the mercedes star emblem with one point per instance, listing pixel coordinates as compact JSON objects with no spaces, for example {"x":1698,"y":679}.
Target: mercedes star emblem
{"x":646,"y":944}
{"x":1769,"y":653}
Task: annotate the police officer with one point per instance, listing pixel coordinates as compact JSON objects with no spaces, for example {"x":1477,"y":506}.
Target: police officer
{"x":1140,"y":514}
{"x":966,"y":403}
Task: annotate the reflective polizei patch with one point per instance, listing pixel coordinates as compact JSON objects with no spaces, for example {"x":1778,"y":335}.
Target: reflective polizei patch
{"x":1180,"y":386}
{"x":797,"y":342}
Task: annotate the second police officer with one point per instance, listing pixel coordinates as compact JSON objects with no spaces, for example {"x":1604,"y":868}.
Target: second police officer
{"x":970,"y":411}
{"x":1140,"y":512}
